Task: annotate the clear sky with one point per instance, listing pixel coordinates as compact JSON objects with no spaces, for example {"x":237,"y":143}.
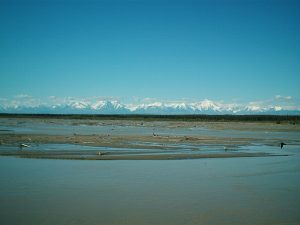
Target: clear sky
{"x":222,"y":50}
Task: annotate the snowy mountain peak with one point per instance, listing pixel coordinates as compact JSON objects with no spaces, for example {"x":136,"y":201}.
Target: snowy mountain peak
{"x":96,"y":106}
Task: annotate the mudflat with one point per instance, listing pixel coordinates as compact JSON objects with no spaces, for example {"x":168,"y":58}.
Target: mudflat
{"x":143,"y":139}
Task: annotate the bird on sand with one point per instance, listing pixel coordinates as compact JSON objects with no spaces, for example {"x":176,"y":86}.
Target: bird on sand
{"x":282,"y":144}
{"x":21,"y":146}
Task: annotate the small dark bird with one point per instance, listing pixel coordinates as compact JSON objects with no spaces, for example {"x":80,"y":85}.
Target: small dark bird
{"x":282,"y":144}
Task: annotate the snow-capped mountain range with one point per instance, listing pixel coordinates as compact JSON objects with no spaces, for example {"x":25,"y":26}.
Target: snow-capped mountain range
{"x":83,"y":106}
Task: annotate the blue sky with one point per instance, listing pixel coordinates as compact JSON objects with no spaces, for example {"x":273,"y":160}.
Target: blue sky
{"x":221,"y":50}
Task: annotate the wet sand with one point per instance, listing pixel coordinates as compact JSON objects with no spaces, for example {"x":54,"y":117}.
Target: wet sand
{"x":166,"y":139}
{"x":92,"y":155}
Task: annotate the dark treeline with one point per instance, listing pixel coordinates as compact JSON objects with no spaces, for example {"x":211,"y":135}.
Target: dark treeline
{"x":249,"y":118}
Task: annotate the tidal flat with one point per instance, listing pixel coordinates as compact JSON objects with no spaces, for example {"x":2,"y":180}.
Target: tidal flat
{"x":139,"y":139}
{"x":148,"y":172}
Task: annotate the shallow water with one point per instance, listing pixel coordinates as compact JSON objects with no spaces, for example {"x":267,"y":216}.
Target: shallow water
{"x":256,"y":190}
{"x":186,"y":149}
{"x":262,"y":190}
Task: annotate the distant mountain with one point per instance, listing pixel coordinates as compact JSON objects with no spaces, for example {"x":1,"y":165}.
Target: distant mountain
{"x":115,"y":107}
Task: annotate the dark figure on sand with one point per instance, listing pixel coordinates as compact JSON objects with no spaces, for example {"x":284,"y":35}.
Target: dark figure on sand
{"x":282,"y":144}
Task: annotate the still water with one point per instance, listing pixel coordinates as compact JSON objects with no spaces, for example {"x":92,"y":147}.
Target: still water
{"x":264,"y":190}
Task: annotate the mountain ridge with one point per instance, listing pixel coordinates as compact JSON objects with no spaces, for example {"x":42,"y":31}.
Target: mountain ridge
{"x":155,"y":108}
